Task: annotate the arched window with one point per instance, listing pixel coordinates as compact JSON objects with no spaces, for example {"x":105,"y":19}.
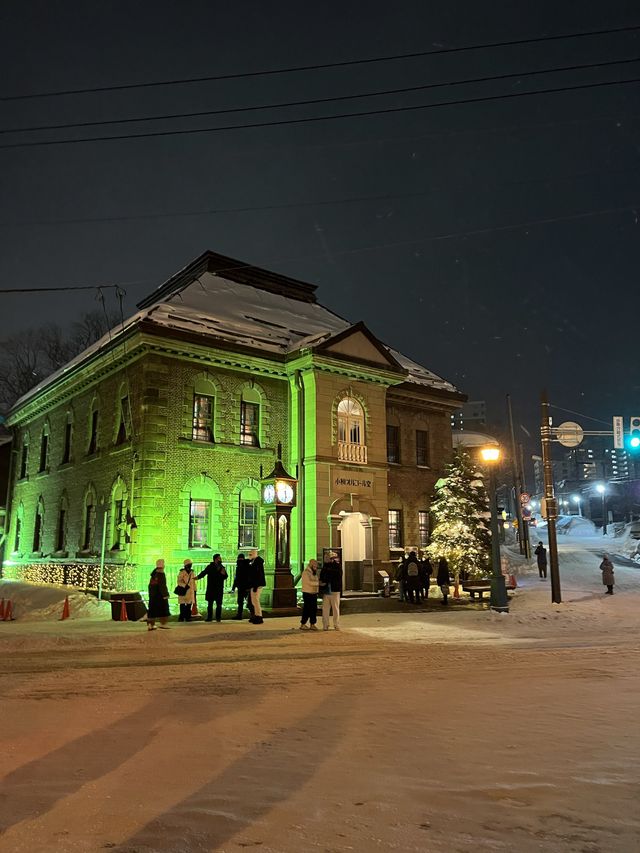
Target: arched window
{"x":203,"y":410}
{"x":250,"y":417}
{"x":44,"y":449}
{"x":118,"y":515}
{"x":24,"y":458}
{"x":66,"y":447}
{"x":123,"y":418}
{"x":351,"y":437}
{"x":248,"y":518}
{"x":92,"y":445}
{"x":38,"y":528}
{"x":89,"y":520}
{"x":17,"y":539}
{"x":61,"y":529}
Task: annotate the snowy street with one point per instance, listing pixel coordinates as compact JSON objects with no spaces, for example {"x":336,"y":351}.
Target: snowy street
{"x":459,"y":730}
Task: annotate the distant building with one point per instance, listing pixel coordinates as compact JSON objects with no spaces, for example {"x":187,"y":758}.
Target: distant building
{"x":151,"y":443}
{"x":471,"y":416}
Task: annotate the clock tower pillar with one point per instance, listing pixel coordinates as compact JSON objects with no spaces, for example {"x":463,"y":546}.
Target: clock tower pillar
{"x":279,"y":495}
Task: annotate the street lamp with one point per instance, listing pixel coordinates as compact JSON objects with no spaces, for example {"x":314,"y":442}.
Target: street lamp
{"x":499,"y":600}
{"x":577,"y":500}
{"x":601,"y":487}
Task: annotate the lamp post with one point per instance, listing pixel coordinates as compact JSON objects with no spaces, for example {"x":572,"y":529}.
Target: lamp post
{"x":578,"y":500}
{"x":603,"y":492}
{"x":499,"y":601}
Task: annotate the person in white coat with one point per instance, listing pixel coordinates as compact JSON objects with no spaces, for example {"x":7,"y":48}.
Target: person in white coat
{"x":186,"y":581}
{"x":310,"y":584}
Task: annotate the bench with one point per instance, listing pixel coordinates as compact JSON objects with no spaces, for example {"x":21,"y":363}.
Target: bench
{"x":476,"y":588}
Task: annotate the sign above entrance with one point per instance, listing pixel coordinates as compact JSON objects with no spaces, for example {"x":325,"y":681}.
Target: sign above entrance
{"x":347,"y":482}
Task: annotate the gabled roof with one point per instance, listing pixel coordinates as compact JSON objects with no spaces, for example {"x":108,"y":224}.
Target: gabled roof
{"x":236,"y":304}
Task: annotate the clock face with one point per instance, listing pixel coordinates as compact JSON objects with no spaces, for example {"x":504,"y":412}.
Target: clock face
{"x":268,"y":494}
{"x":284,"y":492}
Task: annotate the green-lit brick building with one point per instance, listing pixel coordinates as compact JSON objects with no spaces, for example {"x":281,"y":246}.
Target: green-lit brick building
{"x":153,"y":441}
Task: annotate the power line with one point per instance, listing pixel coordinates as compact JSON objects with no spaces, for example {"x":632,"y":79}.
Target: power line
{"x":295,"y":205}
{"x":589,"y":214}
{"x":98,"y":287}
{"x":314,"y":101}
{"x":318,"y":66}
{"x":312,"y":119}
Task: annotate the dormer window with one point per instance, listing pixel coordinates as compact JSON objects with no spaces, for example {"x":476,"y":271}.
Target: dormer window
{"x":351,"y":438}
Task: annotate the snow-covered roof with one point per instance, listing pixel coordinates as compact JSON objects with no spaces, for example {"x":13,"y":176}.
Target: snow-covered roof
{"x":213,"y":298}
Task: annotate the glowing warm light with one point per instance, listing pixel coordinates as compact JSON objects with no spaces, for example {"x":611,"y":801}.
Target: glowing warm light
{"x":635,"y":441}
{"x":600,"y":488}
{"x":576,"y":498}
{"x":490,"y":454}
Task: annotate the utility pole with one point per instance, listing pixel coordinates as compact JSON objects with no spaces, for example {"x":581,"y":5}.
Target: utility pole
{"x":517,"y":482}
{"x":550,"y":501}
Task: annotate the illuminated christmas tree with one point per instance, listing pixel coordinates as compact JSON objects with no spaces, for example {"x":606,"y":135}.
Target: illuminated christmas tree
{"x":461,"y":511}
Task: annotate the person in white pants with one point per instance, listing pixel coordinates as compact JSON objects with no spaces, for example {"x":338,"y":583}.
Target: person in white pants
{"x":257,"y":582}
{"x":330,"y":588}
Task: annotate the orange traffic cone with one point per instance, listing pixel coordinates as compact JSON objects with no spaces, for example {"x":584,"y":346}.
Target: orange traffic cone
{"x":66,"y":612}
{"x":194,"y":607}
{"x":2,"y":609}
{"x":8,"y":612}
{"x":123,"y":611}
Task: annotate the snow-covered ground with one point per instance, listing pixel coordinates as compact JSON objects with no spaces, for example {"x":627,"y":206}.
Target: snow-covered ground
{"x":445,"y":731}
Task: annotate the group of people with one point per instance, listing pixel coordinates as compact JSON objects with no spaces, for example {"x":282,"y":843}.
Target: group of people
{"x":249,"y":582}
{"x":327,"y":582}
{"x":414,"y":578}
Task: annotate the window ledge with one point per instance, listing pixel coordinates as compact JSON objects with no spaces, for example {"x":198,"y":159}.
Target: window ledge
{"x":43,"y":473}
{"x":23,"y":479}
{"x":91,"y":456}
{"x":196,"y":442}
{"x":424,"y":467}
{"x":63,"y":465}
{"x":118,"y":448}
{"x":86,"y":552}
{"x":60,"y":555}
{"x":397,"y":464}
{"x":36,"y":555}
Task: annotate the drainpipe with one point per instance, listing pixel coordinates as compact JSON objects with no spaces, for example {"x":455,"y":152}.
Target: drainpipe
{"x":301,"y":490}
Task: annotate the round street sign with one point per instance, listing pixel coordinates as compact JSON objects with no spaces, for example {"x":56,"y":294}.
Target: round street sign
{"x":525,"y":498}
{"x":569,"y":434}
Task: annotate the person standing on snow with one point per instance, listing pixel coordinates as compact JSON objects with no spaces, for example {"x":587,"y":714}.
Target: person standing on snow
{"x":187,"y":582}
{"x":412,"y":571}
{"x":310,"y":585}
{"x":426,"y":570}
{"x":242,"y":585}
{"x":444,"y":579}
{"x":216,"y":575}
{"x":608,"y":579}
{"x":158,"y":598}
{"x":257,"y":582}
{"x":541,"y":557}
{"x":330,"y":588}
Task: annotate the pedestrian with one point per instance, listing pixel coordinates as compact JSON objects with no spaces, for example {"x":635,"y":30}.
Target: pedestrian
{"x":330,"y":589}
{"x":401,"y":577}
{"x":216,"y":575}
{"x":310,"y":585}
{"x":608,"y":579}
{"x":158,"y":598}
{"x":186,"y":590}
{"x":426,"y":570}
{"x":443,"y":579}
{"x":541,"y":557}
{"x":257,"y":582}
{"x":412,"y":571}
{"x":241,"y":584}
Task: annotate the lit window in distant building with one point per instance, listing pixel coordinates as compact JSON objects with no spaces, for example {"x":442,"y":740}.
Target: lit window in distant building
{"x":199,"y":519}
{"x":202,"y":429}
{"x":248,"y":524}
{"x":395,"y":528}
{"x":423,"y":527}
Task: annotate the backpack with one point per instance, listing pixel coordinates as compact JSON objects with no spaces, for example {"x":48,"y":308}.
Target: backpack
{"x":412,"y":570}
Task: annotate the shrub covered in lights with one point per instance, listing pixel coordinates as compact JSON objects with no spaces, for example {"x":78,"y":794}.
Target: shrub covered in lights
{"x":461,"y":510}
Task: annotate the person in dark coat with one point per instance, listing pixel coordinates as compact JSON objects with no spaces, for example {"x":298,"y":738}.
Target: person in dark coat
{"x":608,"y":579}
{"x":257,"y":582}
{"x":401,"y":577}
{"x":412,"y":574}
{"x":242,"y":586}
{"x":158,"y":598}
{"x":330,"y":590}
{"x":444,"y":579}
{"x":216,"y":575}
{"x":426,"y":570}
{"x":541,"y":557}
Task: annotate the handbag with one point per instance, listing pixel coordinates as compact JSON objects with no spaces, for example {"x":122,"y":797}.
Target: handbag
{"x":445,"y":588}
{"x":181,"y":590}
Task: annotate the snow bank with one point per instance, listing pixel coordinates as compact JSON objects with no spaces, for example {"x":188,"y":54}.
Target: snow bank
{"x":43,"y":603}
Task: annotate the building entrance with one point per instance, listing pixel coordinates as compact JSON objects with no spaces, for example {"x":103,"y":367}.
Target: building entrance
{"x":355,"y":536}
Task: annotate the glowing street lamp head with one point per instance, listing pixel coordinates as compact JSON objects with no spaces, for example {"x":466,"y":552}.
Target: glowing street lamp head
{"x":634,"y":441}
{"x":576,"y":499}
{"x":601,"y":488}
{"x":490,"y":454}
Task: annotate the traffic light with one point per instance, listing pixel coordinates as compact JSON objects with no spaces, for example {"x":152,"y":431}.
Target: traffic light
{"x":634,"y":433}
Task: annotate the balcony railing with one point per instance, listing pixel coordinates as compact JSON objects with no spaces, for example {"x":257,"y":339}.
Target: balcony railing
{"x":348,"y":452}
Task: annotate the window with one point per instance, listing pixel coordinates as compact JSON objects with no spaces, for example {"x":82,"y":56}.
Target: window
{"x":16,"y":542}
{"x":422,"y":448}
{"x":123,"y":429}
{"x":199,"y":515}
{"x":395,"y":528}
{"x":202,"y":429}
{"x":249,"y":423}
{"x":61,"y":531}
{"x":37,"y":531}
{"x":423,"y":527}
{"x":66,"y":450}
{"x":393,"y":443}
{"x":118,"y":524}
{"x":350,"y":421}
{"x":93,"y":433}
{"x":248,"y":524}
{"x":24,"y":459}
{"x":89,"y":526}
{"x":44,"y":449}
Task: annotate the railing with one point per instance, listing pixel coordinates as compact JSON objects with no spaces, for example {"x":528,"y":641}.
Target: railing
{"x":348,"y":452}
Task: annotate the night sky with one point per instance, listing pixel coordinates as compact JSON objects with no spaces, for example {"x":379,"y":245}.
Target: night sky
{"x":505,"y":249}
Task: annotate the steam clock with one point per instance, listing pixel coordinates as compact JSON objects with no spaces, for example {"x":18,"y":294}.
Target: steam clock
{"x":279,"y":494}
